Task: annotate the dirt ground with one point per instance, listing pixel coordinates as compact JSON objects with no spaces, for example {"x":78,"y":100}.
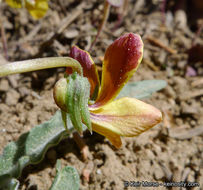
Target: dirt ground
{"x":171,"y":151}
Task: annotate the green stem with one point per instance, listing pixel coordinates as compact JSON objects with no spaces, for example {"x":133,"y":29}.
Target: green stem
{"x":39,"y":64}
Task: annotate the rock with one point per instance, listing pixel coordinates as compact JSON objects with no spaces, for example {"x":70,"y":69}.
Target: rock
{"x":71,"y":33}
{"x":162,"y":57}
{"x":24,"y":91}
{"x":188,"y":109}
{"x":191,"y":176}
{"x":193,"y":123}
{"x":169,"y":71}
{"x":179,"y":121}
{"x":181,"y":18}
{"x":158,"y":173}
{"x":99,"y":171}
{"x":13,"y":80}
{"x":150,"y":154}
{"x":170,"y":92}
{"x":182,"y":64}
{"x":4,"y":86}
{"x":179,"y":81}
{"x":12,"y":97}
{"x":200,"y":176}
{"x":180,"y":86}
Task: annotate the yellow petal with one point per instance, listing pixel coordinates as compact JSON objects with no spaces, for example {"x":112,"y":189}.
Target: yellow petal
{"x":121,"y":60}
{"x":113,"y":137}
{"x":14,"y":3}
{"x":38,"y":9}
{"x":125,"y":117}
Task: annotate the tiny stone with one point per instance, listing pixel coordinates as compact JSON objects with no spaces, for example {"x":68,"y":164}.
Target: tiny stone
{"x":179,"y":81}
{"x":170,"y":92}
{"x":170,"y":72}
{"x":12,"y":97}
{"x":179,"y":121}
{"x":162,"y":57}
{"x":150,"y":154}
{"x":200,"y":71}
{"x":158,"y":173}
{"x":187,"y":109}
{"x":72,"y":33}
{"x":99,"y":172}
{"x":193,"y":123}
{"x":181,"y":64}
{"x":180,"y":18}
{"x":4,"y":86}
{"x":191,"y":176}
{"x":98,"y":162}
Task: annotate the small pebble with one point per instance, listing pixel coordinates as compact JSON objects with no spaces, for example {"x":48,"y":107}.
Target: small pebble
{"x":99,"y":172}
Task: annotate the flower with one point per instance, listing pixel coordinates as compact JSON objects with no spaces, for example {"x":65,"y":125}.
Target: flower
{"x":112,"y":117}
{"x":37,"y":8}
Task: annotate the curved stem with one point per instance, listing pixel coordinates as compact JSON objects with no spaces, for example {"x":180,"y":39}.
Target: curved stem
{"x":39,"y":64}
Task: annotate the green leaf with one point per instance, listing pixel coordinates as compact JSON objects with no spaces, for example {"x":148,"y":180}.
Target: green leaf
{"x":31,"y":147}
{"x":142,"y":89}
{"x":66,"y":178}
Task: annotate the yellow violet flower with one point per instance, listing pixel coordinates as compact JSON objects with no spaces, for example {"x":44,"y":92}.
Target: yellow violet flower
{"x":37,"y":8}
{"x":112,"y":117}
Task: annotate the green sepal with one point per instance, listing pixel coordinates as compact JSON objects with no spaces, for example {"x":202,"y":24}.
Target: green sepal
{"x":64,"y":119}
{"x":72,"y":94}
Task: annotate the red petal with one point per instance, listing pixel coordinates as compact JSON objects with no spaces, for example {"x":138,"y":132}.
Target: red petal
{"x":121,"y":60}
{"x":89,"y":68}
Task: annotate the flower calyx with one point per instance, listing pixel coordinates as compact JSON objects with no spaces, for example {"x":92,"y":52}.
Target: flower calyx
{"x":72,"y":94}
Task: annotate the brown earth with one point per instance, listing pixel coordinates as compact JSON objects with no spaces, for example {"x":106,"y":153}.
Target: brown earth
{"x":171,"y":151}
